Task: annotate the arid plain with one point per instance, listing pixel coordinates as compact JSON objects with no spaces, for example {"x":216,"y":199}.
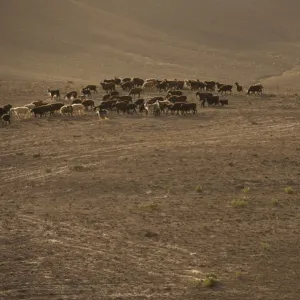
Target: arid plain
{"x":136,"y":207}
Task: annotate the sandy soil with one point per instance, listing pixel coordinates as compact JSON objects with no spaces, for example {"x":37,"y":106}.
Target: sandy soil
{"x":146,"y":207}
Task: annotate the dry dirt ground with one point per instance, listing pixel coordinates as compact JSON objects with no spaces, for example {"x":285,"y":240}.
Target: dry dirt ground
{"x":147,"y":207}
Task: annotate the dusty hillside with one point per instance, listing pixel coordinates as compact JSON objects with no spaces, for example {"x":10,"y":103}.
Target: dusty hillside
{"x":89,"y":40}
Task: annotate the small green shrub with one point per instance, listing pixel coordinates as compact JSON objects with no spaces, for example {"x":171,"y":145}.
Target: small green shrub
{"x":239,"y":275}
{"x":275,"y":202}
{"x":199,"y":189}
{"x":265,"y":246}
{"x":240,"y":202}
{"x":78,"y":168}
{"x":289,"y":190}
{"x":245,"y":189}
{"x":210,"y":281}
{"x":152,"y":206}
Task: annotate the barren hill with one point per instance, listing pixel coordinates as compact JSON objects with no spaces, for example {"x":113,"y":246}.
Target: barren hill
{"x":89,"y":39}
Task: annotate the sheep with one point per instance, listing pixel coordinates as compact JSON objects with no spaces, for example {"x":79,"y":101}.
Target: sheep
{"x":149,"y":85}
{"x":135,"y":91}
{"x":67,"y":109}
{"x":76,"y":101}
{"x":210,"y":85}
{"x":257,"y":88}
{"x":139,"y":102}
{"x":86,"y":92}
{"x":109,"y":104}
{"x":88,"y":103}
{"x":213,"y":100}
{"x":78,"y":107}
{"x":22,"y":110}
{"x":6,"y":108}
{"x":131,"y":107}
{"x":102,"y":114}
{"x":39,"y":103}
{"x":5,"y":119}
{"x":55,"y":107}
{"x":154,"y":99}
{"x":114,"y":93}
{"x":117,"y":81}
{"x":150,"y":80}
{"x":137,"y":82}
{"x":30,"y":106}
{"x":54,"y":93}
{"x":108,"y":86}
{"x":172,"y":84}
{"x":203,"y":95}
{"x":175,"y":98}
{"x":91,"y":87}
{"x":162,"y":85}
{"x":175,"y":107}
{"x":173,"y":93}
{"x":201,"y":85}
{"x":106,"y":97}
{"x":127,"y":86}
{"x":219,"y":85}
{"x":154,"y":108}
{"x":223,"y":102}
{"x":225,"y":88}
{"x":193,"y":84}
{"x":71,"y":95}
{"x":180,"y":84}
{"x":127,"y":98}
{"x":239,"y":88}
{"x":126,"y":79}
{"x":121,"y":106}
{"x":41,"y":110}
{"x":144,"y":108}
{"x":163,"y":105}
{"x":82,"y":97}
{"x":2,"y":111}
{"x":188,"y":107}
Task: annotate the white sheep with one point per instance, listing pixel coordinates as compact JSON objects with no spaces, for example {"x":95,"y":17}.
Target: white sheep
{"x":30,"y":106}
{"x":150,"y":79}
{"x":22,"y":110}
{"x":66,"y":109}
{"x":167,"y":102}
{"x":154,"y":108}
{"x":78,"y":107}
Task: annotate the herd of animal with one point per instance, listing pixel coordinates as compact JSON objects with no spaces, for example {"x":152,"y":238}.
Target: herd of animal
{"x":174,"y":101}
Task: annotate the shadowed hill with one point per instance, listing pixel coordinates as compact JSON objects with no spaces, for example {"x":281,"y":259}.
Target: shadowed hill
{"x":89,"y":39}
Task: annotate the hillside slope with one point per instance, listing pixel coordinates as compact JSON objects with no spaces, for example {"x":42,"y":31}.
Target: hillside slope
{"x":89,"y":39}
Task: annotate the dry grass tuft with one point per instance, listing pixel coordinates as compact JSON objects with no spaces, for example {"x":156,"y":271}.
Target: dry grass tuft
{"x":240,"y":202}
{"x":151,"y":206}
{"x":210,"y":281}
{"x":289,"y":190}
{"x":199,"y":189}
